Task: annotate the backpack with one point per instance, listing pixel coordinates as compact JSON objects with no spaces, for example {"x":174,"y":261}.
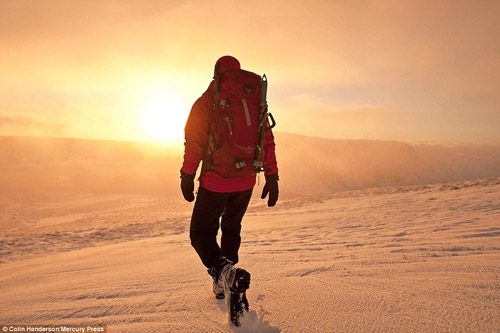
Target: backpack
{"x":236,"y":138}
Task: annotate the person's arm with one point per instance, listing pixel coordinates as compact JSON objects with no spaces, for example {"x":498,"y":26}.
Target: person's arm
{"x":196,"y":137}
{"x":270,"y":171}
{"x":270,"y":163}
{"x":196,"y":134}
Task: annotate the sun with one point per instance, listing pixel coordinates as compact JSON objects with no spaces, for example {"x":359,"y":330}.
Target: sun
{"x":163,"y":118}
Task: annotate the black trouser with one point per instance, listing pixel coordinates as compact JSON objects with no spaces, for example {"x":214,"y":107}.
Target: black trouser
{"x":208,"y":208}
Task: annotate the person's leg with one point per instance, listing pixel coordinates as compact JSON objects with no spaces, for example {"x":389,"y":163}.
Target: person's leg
{"x":205,"y":225}
{"x":231,"y":223}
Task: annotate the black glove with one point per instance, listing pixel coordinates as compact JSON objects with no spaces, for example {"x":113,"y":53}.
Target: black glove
{"x":271,"y":187}
{"x":187,"y":186}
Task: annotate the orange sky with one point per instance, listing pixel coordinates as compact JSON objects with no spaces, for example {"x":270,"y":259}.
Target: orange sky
{"x":397,"y":70}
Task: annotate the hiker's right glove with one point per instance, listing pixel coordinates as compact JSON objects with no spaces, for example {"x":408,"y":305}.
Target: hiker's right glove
{"x":271,"y":187}
{"x":187,"y":186}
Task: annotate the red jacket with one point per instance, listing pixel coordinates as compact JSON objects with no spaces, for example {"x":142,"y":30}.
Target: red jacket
{"x":196,"y":135}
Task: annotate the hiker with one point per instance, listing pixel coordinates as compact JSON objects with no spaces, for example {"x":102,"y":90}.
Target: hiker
{"x":223,"y":131}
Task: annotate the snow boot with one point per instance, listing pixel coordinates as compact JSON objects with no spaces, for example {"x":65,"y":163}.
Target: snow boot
{"x":215,"y":273}
{"x":236,"y":281}
{"x":218,"y":288}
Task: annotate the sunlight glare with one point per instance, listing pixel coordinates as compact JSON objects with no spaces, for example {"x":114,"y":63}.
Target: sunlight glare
{"x":163,"y":118}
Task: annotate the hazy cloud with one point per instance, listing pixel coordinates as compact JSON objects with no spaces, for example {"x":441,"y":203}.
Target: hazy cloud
{"x":29,"y":126}
{"x":375,"y":64}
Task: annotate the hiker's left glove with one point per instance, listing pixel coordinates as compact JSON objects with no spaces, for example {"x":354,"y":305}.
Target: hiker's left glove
{"x":187,"y":186}
{"x":271,"y":187}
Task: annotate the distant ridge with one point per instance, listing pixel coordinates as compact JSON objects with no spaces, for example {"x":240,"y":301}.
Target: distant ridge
{"x":308,"y":165}
{"x":315,"y":165}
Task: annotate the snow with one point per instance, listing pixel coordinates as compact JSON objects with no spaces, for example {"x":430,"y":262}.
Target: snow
{"x":397,"y":258}
{"x":404,"y":259}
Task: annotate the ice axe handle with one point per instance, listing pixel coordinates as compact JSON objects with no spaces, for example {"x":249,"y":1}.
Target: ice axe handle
{"x":263,"y":97}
